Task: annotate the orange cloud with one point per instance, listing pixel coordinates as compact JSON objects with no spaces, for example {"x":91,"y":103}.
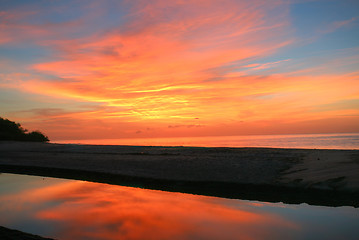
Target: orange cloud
{"x":170,"y":62}
{"x":146,"y":61}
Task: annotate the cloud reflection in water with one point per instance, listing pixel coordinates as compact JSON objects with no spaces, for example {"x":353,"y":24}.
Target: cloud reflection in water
{"x":84,"y":210}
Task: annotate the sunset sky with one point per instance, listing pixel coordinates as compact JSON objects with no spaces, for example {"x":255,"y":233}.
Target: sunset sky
{"x":134,"y":68}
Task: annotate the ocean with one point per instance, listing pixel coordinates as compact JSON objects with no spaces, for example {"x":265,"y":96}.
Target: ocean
{"x":308,"y":141}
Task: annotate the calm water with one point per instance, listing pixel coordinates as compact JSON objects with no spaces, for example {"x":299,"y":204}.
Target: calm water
{"x":319,"y":141}
{"x":69,"y":209}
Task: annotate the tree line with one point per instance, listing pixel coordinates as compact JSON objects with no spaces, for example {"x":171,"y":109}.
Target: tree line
{"x":12,"y":131}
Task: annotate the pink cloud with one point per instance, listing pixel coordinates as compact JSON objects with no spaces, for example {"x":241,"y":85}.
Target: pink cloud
{"x":339,"y":24}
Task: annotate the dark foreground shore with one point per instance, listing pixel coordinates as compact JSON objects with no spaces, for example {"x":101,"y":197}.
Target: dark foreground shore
{"x":317,"y":177}
{"x":10,"y":234}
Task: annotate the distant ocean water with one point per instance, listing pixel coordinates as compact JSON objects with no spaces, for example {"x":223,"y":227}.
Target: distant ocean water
{"x":310,"y":141}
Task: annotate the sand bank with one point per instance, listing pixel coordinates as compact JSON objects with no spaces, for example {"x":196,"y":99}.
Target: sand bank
{"x":324,"y":177}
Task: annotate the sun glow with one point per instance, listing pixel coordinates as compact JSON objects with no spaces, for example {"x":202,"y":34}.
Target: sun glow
{"x":215,"y":64}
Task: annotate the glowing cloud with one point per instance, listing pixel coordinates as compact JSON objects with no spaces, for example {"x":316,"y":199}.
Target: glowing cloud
{"x":164,"y":63}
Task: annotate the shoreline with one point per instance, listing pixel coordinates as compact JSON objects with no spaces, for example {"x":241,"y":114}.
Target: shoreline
{"x":316,"y":177}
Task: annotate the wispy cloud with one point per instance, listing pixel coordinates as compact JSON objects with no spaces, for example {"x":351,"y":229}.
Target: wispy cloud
{"x":170,"y":63}
{"x":334,"y":26}
{"x":155,"y":64}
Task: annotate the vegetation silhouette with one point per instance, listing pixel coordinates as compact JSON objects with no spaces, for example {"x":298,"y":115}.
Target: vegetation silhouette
{"x":13,"y":131}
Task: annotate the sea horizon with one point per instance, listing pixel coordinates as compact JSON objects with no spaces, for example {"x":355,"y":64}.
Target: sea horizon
{"x":311,"y":141}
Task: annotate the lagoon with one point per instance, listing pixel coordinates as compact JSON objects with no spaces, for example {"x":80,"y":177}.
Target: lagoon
{"x":72,"y":209}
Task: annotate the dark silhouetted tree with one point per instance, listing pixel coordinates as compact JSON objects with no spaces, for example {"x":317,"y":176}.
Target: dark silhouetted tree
{"x":10,"y":130}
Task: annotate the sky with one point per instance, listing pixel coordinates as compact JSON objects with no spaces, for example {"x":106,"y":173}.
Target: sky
{"x":183,"y":68}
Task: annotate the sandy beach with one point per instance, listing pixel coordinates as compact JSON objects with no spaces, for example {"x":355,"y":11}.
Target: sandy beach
{"x":320,"y":177}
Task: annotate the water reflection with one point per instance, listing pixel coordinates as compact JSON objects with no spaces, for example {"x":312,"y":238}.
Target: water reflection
{"x":67,"y":209}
